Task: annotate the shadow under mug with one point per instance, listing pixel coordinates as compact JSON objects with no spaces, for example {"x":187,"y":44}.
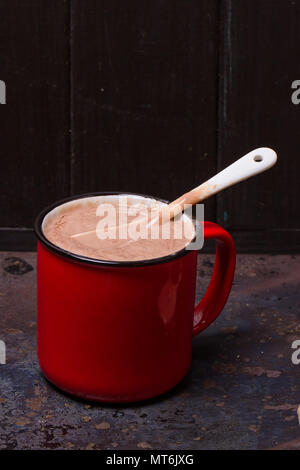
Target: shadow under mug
{"x":122,"y":331}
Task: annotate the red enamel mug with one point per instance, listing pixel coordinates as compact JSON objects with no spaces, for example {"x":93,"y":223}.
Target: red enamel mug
{"x":122,"y":331}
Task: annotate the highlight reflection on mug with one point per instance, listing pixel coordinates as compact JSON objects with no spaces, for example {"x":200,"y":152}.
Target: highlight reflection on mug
{"x":2,"y":352}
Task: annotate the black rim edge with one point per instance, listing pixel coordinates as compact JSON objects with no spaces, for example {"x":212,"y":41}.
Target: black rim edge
{"x":93,"y":261}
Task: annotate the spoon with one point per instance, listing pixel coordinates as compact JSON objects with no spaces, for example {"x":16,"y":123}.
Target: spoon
{"x":251,"y":164}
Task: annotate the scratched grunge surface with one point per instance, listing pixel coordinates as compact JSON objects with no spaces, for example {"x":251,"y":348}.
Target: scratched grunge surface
{"x":242,"y":391}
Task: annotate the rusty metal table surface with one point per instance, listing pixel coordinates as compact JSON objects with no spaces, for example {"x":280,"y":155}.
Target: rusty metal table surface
{"x":242,"y":391}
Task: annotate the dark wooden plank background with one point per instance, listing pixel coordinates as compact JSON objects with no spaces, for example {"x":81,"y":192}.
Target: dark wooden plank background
{"x":34,"y":123}
{"x":259,"y":59}
{"x":154,"y":97}
{"x":144,"y":96}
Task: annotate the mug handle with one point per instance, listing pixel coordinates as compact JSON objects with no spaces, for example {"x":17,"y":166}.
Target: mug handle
{"x":220,"y":284}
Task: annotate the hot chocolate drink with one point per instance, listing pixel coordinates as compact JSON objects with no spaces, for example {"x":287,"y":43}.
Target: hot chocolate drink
{"x":116,"y":228}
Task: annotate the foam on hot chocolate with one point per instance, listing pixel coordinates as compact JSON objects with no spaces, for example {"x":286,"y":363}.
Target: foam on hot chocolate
{"x":77,"y":227}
